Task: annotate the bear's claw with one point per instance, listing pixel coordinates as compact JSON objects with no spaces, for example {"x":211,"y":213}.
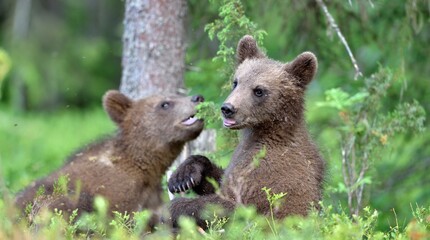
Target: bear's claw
{"x":183,"y":186}
{"x":188,"y":175}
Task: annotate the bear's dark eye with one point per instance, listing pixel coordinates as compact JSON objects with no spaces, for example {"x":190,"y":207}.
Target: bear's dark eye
{"x":165,"y":105}
{"x":258,"y":92}
{"x":234,"y":83}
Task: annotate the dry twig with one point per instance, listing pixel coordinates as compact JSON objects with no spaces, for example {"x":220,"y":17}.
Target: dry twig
{"x":336,"y":28}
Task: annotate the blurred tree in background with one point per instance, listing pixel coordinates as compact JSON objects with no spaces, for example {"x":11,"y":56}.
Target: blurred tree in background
{"x":65,"y":53}
{"x":68,"y":53}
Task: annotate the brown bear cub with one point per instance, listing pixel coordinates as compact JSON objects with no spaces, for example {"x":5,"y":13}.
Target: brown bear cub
{"x":267,"y":104}
{"x":127,"y":168}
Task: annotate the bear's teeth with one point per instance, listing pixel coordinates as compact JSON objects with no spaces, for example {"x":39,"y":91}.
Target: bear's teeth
{"x":190,"y":121}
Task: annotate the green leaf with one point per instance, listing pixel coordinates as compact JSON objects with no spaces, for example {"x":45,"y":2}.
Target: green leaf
{"x":341,"y":100}
{"x":257,"y":157}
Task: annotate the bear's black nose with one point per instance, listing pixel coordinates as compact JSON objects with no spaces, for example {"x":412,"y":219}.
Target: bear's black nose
{"x":197,"y":98}
{"x":228,"y":110}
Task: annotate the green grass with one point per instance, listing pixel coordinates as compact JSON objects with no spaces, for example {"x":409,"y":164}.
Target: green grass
{"x":33,"y":145}
{"x":244,"y":223}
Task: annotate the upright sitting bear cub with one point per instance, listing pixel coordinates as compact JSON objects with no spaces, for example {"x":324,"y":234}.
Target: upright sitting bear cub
{"x":125,"y":169}
{"x":267,"y":104}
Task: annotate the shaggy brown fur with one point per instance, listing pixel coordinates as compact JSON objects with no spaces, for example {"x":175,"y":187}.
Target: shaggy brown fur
{"x":267,"y":104}
{"x":125,"y":169}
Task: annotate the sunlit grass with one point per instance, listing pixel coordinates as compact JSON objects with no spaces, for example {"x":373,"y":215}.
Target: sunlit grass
{"x":34,"y":144}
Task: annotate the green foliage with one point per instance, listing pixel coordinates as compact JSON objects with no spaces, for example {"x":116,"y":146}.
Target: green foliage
{"x":123,"y":221}
{"x":274,"y":202}
{"x":406,"y":116}
{"x":244,"y":223}
{"x":61,"y":186}
{"x":5,"y":66}
{"x":340,"y":100}
{"x":59,"y":60}
{"x":232,"y":25}
{"x":209,"y":112}
{"x":95,"y":224}
{"x":71,"y":56}
{"x":201,"y":79}
{"x":365,"y":129}
{"x":257,"y":157}
{"x":188,"y":228}
{"x":216,"y":226}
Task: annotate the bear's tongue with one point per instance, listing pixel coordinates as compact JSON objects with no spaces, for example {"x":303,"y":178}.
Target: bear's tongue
{"x":228,"y":122}
{"x":189,"y":121}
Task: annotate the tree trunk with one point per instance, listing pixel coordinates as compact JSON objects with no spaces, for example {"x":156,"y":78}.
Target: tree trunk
{"x":20,"y":26}
{"x":153,"y":58}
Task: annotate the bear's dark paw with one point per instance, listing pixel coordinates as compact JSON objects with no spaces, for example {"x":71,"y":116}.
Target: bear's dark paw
{"x":189,"y":174}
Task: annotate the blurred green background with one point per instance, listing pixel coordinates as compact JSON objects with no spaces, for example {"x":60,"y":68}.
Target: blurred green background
{"x":65,"y":54}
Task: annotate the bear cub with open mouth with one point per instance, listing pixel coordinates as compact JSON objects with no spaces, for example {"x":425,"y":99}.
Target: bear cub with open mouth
{"x":125,"y":169}
{"x":267,"y":105}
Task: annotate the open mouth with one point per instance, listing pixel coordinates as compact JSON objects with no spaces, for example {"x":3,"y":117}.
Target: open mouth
{"x":228,"y":122}
{"x":190,"y":120}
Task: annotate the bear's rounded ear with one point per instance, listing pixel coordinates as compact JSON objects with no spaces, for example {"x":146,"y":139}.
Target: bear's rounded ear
{"x":116,"y":105}
{"x":303,"y":67}
{"x":247,"y":48}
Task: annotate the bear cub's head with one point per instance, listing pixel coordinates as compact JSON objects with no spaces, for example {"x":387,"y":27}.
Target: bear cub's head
{"x":156,"y":121}
{"x":266,"y":92}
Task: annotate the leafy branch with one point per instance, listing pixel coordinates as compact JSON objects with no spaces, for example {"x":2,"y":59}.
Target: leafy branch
{"x":274,"y":201}
{"x":365,"y":130}
{"x":229,"y":28}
